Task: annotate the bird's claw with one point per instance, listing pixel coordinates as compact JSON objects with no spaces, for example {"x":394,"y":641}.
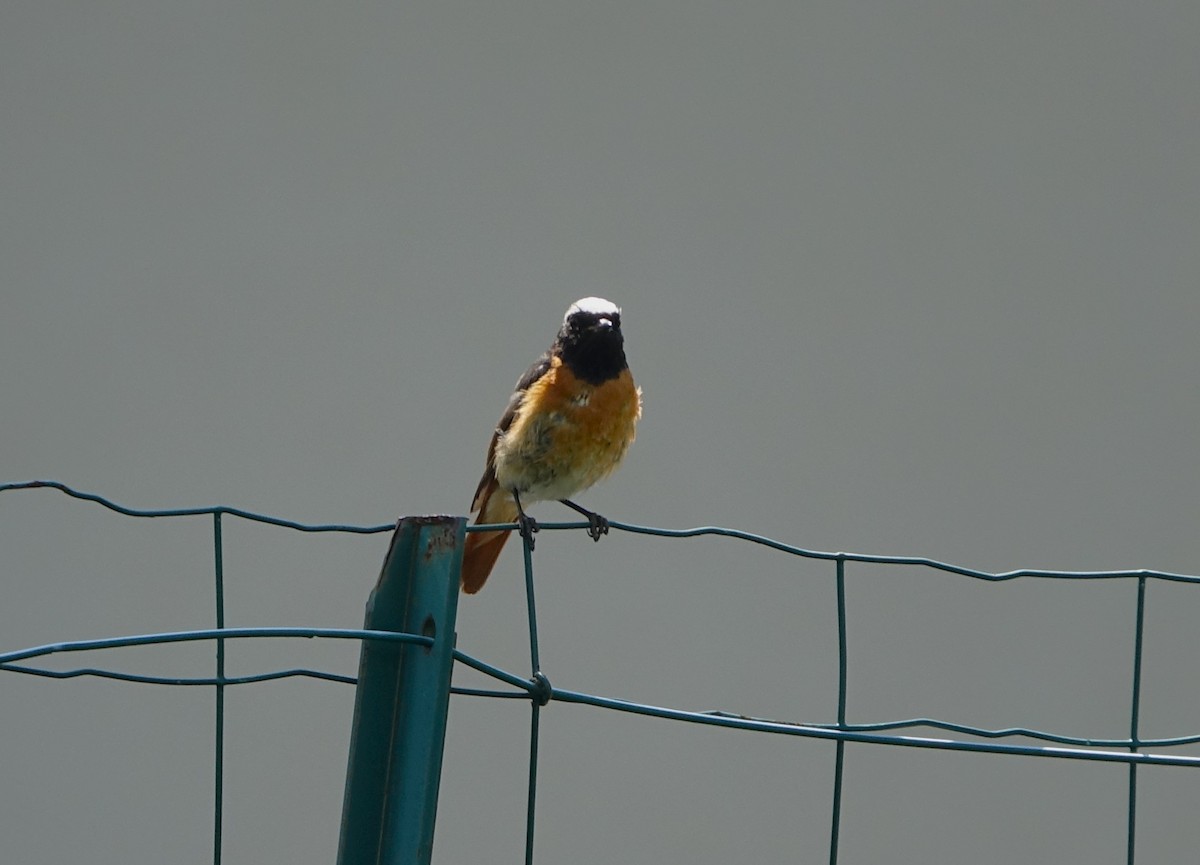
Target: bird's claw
{"x":597,"y":526}
{"x":527,"y":525}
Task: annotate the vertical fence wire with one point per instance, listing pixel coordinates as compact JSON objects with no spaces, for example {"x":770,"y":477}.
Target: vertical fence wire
{"x":219,"y":735}
{"x":535,"y":704}
{"x":530,"y":807}
{"x":840,"y":756}
{"x":1134,"y":718}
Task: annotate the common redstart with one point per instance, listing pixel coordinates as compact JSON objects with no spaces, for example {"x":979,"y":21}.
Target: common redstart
{"x":568,"y":424}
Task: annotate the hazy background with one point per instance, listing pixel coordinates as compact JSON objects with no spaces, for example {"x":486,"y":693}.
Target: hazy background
{"x":907,"y":278}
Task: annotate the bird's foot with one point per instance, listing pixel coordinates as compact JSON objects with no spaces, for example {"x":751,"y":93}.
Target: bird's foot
{"x":526,"y":524}
{"x":597,"y":525}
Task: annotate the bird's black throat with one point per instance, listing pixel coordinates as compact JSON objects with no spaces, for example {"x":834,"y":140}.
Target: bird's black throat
{"x":593,"y":355}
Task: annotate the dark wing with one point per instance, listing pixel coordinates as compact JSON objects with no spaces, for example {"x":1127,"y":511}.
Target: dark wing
{"x":540,"y":367}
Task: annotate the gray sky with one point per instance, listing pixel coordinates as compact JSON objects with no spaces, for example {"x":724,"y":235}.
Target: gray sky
{"x":914,"y":279}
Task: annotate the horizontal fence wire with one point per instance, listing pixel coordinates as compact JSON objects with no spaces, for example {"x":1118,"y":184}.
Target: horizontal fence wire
{"x":538,"y":690}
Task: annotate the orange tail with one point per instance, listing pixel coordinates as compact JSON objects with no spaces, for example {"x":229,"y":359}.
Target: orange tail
{"x":483,"y":548}
{"x":479,"y":557}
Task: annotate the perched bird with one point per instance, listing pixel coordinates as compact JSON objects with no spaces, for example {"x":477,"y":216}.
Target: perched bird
{"x":568,"y":424}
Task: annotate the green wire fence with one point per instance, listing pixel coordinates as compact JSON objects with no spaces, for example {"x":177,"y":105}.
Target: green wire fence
{"x":539,"y":691}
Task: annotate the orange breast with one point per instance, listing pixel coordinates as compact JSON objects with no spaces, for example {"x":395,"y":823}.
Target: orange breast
{"x":568,"y":434}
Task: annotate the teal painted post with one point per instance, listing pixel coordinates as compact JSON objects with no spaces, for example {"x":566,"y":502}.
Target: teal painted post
{"x":402,"y":698}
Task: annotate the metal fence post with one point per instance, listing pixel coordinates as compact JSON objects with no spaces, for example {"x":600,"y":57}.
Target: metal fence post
{"x":402,"y":698}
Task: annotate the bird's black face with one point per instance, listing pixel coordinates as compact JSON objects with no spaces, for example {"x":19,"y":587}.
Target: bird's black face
{"x":591,"y":341}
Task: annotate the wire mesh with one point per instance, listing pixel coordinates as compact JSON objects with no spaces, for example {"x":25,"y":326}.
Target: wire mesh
{"x":539,"y":691}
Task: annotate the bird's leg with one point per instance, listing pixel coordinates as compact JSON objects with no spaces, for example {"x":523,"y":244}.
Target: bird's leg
{"x":526,"y":524}
{"x":597,"y":525}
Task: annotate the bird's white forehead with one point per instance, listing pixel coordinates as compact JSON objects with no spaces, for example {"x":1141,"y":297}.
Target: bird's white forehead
{"x":595,"y":305}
